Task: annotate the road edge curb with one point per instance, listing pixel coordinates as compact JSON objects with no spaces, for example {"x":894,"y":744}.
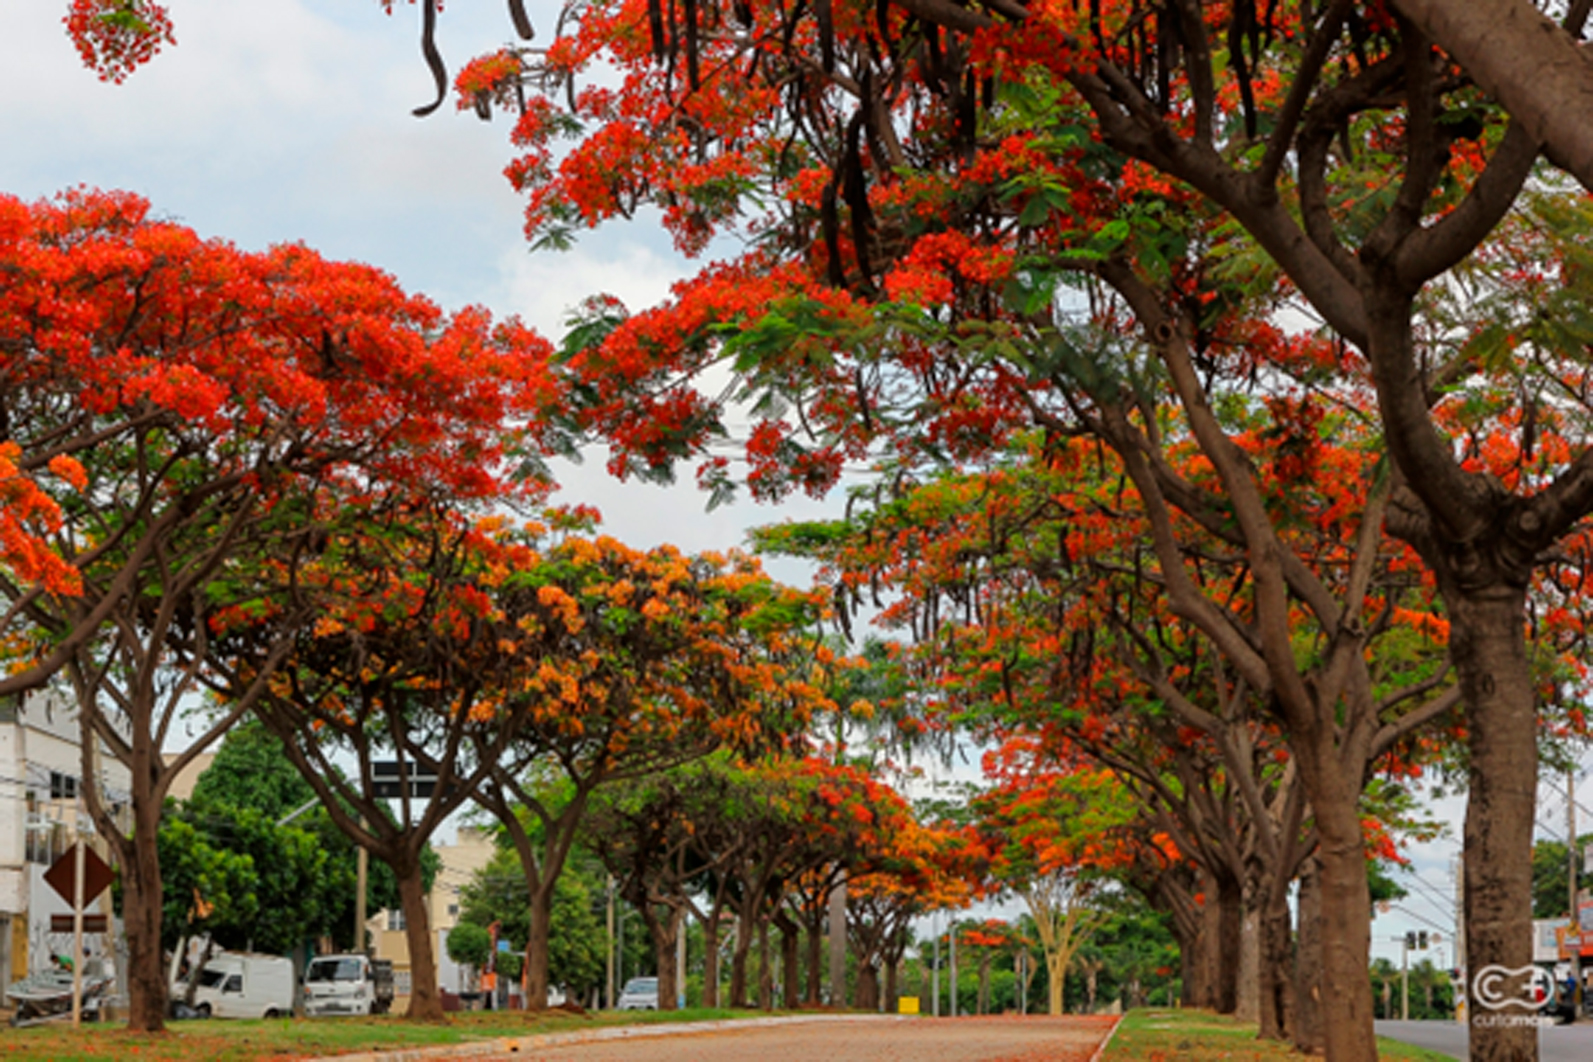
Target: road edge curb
{"x":1100,"y":1051}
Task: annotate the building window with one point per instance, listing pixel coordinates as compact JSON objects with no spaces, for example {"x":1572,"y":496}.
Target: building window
{"x":62,"y":786}
{"x":453,"y":910}
{"x":45,"y":840}
{"x":395,"y":920}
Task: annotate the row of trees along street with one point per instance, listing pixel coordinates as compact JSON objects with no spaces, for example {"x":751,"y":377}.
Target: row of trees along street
{"x":1221,"y":367}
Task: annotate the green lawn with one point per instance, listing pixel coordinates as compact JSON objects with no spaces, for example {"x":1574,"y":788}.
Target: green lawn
{"x":1199,"y":1036}
{"x":257,"y":1041}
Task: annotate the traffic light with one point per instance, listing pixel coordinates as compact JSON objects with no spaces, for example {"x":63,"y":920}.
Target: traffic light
{"x":1421,"y":940}
{"x":1410,"y":940}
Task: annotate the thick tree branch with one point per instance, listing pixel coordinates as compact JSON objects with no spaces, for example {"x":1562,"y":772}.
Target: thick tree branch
{"x":1532,"y":65}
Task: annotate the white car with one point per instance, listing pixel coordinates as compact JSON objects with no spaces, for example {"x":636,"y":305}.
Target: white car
{"x":639,"y":993}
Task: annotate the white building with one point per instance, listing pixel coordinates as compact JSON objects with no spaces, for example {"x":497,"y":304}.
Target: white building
{"x":40,"y":812}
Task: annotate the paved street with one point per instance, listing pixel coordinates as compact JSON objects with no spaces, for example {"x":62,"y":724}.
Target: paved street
{"x":1559,"y":1043}
{"x":1004,"y":1039}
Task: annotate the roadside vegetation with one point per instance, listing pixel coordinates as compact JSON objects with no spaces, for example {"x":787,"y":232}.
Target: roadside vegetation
{"x":1201,"y":1036}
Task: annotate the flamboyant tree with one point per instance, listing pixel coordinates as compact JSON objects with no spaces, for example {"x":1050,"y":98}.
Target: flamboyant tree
{"x":1044,"y":833}
{"x":173,"y":410}
{"x":931,"y":866}
{"x":405,"y":667}
{"x":625,"y":663}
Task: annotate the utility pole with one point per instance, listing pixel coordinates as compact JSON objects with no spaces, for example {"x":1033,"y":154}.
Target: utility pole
{"x":77,"y":919}
{"x":1463,"y":1004}
{"x":838,"y":944}
{"x":610,"y":948}
{"x":680,"y":963}
{"x":1022,"y":965}
{"x":362,"y":867}
{"x":1576,"y":920}
{"x":951,"y":944}
{"x":1404,"y":978}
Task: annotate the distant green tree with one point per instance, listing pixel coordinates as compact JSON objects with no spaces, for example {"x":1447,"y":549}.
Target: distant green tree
{"x":1382,"y":885}
{"x":251,"y":772}
{"x":1133,"y":956}
{"x":207,"y":887}
{"x":1385,"y":989}
{"x":576,"y":937}
{"x":1551,"y":872}
{"x":235,"y":874}
{"x":469,"y":944}
{"x":1432,"y":994}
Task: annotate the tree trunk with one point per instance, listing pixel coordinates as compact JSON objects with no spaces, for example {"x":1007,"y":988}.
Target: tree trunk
{"x":738,"y":963}
{"x":1193,"y":950}
{"x":1308,"y":965}
{"x":892,"y":965}
{"x":1247,"y":999}
{"x":1226,"y":932}
{"x":1488,"y":647}
{"x":1346,"y":908}
{"x":765,"y":967}
{"x":983,"y":1002}
{"x":142,"y":902}
{"x":867,"y":984}
{"x":665,"y":934}
{"x":536,"y":948}
{"x":815,"y":986}
{"x":710,"y":962}
{"x":1275,"y":966}
{"x":790,"y":960}
{"x":1055,"y":974}
{"x":424,"y":1003}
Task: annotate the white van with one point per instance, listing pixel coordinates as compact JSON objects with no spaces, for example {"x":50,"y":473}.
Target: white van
{"x":245,"y":985}
{"x":347,"y":984}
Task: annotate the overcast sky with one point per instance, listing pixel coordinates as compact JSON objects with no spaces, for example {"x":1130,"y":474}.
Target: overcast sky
{"x":282,"y":120}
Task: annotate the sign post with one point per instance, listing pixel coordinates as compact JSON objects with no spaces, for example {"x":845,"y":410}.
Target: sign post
{"x":78,"y":877}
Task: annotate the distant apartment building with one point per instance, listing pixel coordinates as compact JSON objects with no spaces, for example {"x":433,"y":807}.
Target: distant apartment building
{"x":40,"y":809}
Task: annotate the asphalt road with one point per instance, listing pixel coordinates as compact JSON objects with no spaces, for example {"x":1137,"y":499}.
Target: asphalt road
{"x":1558,"y":1043}
{"x":847,"y":1039}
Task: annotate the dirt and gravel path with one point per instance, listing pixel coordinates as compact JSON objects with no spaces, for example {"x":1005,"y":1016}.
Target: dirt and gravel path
{"x":886,"y":1039}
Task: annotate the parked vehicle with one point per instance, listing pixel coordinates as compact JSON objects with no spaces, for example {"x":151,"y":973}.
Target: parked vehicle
{"x":47,"y":996}
{"x":348,"y":984}
{"x":639,"y":993}
{"x":245,"y":985}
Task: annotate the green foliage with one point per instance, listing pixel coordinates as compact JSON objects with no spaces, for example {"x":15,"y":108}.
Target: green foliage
{"x":207,"y":887}
{"x":469,"y":944}
{"x":1551,"y":872}
{"x":251,"y":771}
{"x":304,"y":873}
{"x":1432,"y":994}
{"x":1382,"y":885}
{"x":576,"y":937}
{"x":1134,"y":955}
